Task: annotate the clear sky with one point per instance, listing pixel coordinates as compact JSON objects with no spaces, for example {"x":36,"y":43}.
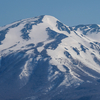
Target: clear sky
{"x":70,"y":12}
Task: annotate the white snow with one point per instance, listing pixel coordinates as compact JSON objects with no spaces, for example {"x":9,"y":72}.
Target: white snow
{"x":95,"y":36}
{"x":38,"y":33}
{"x":27,"y":69}
{"x":71,"y":80}
{"x":50,"y":20}
{"x":40,"y":48}
{"x":12,"y":37}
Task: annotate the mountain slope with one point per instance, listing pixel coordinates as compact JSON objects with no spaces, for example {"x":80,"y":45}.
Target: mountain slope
{"x":43,"y":59}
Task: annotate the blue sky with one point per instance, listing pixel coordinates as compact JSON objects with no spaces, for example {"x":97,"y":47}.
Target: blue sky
{"x":70,"y":12}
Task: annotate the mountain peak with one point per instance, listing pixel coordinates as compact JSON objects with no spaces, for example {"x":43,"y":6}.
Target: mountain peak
{"x":48,"y":19}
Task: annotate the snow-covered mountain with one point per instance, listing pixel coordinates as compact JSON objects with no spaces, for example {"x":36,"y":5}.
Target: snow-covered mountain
{"x":43,"y":59}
